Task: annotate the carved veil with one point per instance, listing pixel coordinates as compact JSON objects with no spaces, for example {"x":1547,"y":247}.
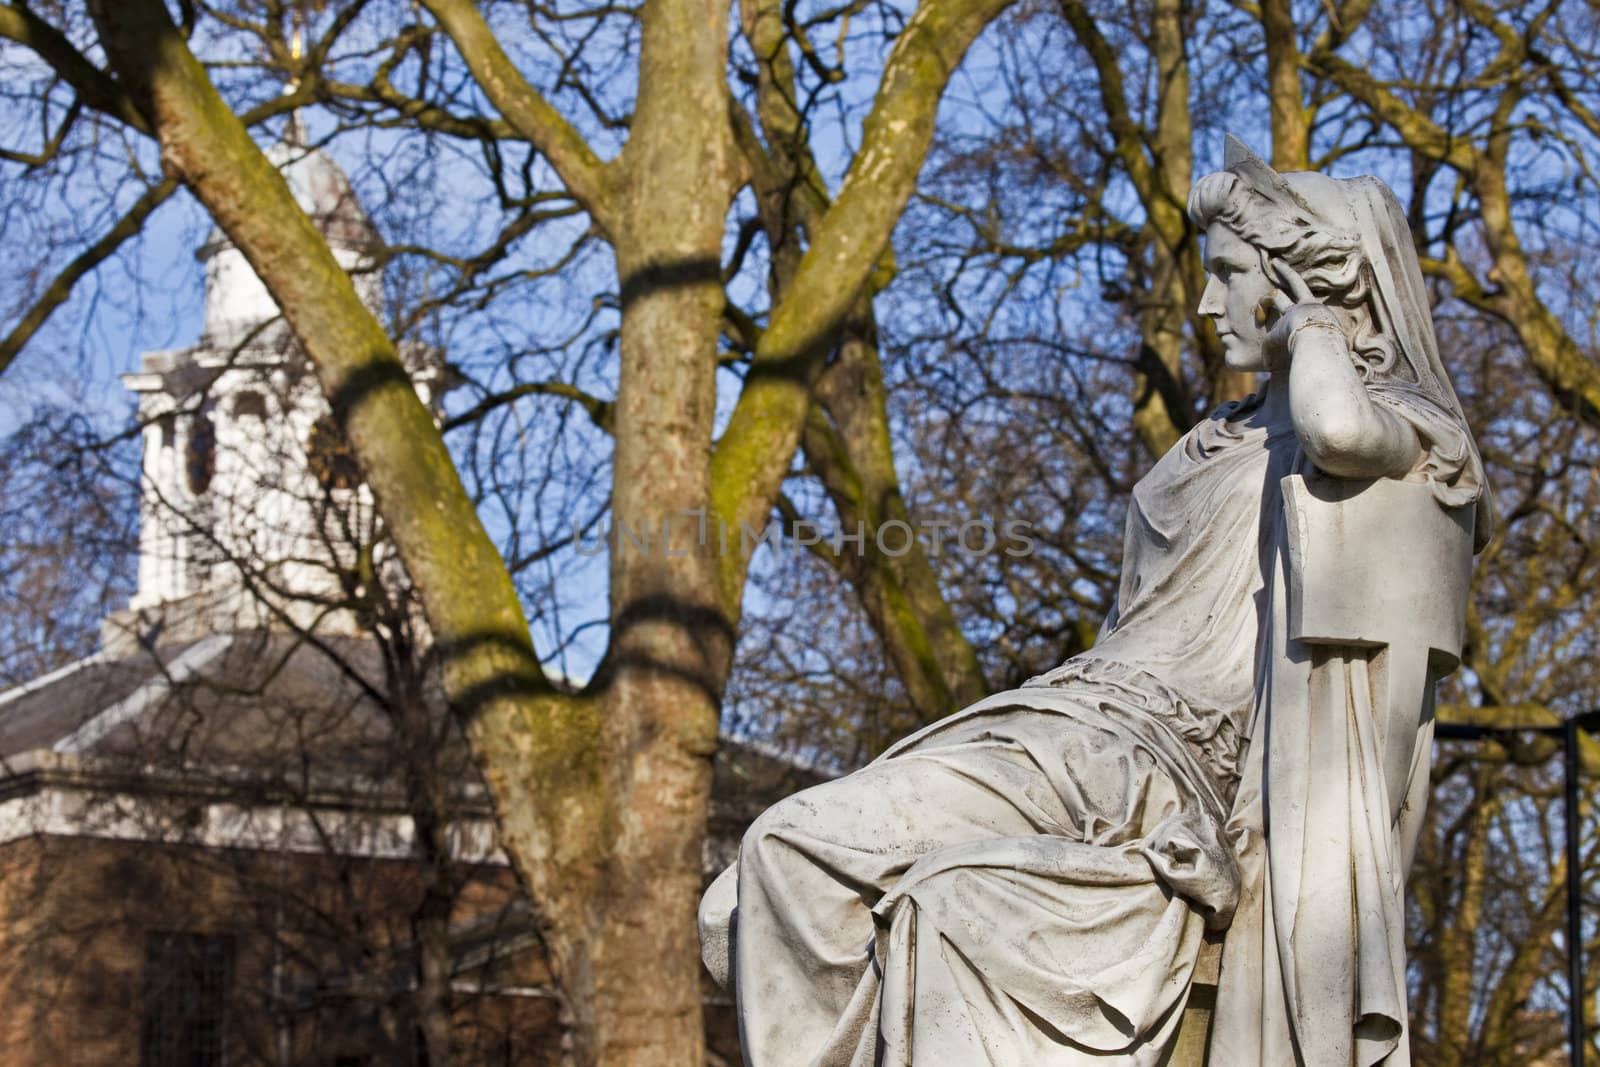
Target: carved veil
{"x":1314,"y":964}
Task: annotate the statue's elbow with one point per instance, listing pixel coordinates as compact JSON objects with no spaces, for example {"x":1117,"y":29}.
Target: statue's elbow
{"x":1346,"y":447}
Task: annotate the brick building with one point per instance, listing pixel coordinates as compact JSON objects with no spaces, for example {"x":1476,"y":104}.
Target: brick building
{"x":231,"y":876}
{"x":246,"y":831}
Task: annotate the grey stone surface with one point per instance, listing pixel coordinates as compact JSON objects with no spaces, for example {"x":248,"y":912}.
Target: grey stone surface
{"x":1043,"y":877}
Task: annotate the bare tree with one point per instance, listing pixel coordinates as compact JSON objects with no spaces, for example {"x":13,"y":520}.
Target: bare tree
{"x":600,"y":793}
{"x":1032,"y":320}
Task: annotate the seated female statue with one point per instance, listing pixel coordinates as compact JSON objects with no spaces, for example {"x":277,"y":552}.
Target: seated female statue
{"x":1030,"y":881}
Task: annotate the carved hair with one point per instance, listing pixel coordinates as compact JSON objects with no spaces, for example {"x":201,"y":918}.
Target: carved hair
{"x":1349,"y":239}
{"x":1280,"y":224}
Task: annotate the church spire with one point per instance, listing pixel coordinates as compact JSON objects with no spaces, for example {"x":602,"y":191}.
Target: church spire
{"x":242,"y":470}
{"x":294,"y":131}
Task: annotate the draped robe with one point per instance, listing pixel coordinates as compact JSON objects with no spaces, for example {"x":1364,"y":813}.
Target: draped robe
{"x":1030,"y":880}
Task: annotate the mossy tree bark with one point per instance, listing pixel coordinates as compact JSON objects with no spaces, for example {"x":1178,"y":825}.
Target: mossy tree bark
{"x":846,"y":435}
{"x":846,"y":243}
{"x":848,"y":447}
{"x":601,"y":794}
{"x":541,"y":741}
{"x":1158,"y":160}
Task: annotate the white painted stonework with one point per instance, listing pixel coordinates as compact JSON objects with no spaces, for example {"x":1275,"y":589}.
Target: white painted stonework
{"x":64,"y":795}
{"x":237,"y":521}
{"x":1043,"y":878}
{"x":237,"y":303}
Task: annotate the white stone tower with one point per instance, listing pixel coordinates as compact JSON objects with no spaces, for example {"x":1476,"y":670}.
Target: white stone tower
{"x":252,"y":511}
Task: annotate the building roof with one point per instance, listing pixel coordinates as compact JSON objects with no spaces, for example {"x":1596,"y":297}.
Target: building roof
{"x":264,"y":704}
{"x":272,"y":717}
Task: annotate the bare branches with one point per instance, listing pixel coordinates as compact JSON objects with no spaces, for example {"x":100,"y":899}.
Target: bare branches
{"x":525,"y":109}
{"x":601,"y":412}
{"x":491,"y":675}
{"x":1416,"y":128}
{"x":59,"y":289}
{"x":94,"y":86}
{"x":1483,"y":162}
{"x":750,"y":459}
{"x":52,"y":141}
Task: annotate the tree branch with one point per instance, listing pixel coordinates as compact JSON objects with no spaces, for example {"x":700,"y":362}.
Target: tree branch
{"x":538,"y":747}
{"x":583,"y":172}
{"x":1557,"y":358}
{"x":758,"y":445}
{"x":601,"y":412}
{"x":94,"y":86}
{"x":57,"y":292}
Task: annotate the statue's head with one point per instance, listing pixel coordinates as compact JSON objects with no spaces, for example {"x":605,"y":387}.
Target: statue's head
{"x":1252,"y":215}
{"x":1349,"y":241}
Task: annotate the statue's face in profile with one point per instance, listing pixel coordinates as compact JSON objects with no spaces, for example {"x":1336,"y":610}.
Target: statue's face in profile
{"x":1235,"y":294}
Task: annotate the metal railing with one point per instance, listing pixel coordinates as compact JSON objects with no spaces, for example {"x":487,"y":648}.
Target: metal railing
{"x":1588,"y":722}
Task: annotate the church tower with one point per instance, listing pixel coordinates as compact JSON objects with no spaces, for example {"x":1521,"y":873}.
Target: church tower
{"x":252,"y":510}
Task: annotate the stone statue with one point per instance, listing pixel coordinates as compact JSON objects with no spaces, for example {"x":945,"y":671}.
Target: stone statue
{"x":1245,"y":748}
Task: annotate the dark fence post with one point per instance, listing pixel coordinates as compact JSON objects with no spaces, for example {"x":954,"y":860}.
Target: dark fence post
{"x":1570,"y":731}
{"x":1569,"y":761}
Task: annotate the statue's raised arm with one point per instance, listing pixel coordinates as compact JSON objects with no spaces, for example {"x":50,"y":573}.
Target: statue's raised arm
{"x":1242,"y":755}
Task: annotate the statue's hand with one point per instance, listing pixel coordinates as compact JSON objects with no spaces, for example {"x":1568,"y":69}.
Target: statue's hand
{"x":1297,"y":307}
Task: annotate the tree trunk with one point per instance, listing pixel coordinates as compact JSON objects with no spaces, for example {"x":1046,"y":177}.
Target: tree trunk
{"x":430,"y":932}
{"x":1159,"y":164}
{"x":1291,"y":126}
{"x":601,"y":796}
{"x":847,"y":444}
{"x":846,"y":433}
{"x":1458,"y":939}
{"x":671,"y":643}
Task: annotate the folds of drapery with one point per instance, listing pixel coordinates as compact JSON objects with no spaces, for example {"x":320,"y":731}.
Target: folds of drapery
{"x":1069,"y":936}
{"x":1048,"y":908}
{"x":1029,"y":882}
{"x":1313,"y":967}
